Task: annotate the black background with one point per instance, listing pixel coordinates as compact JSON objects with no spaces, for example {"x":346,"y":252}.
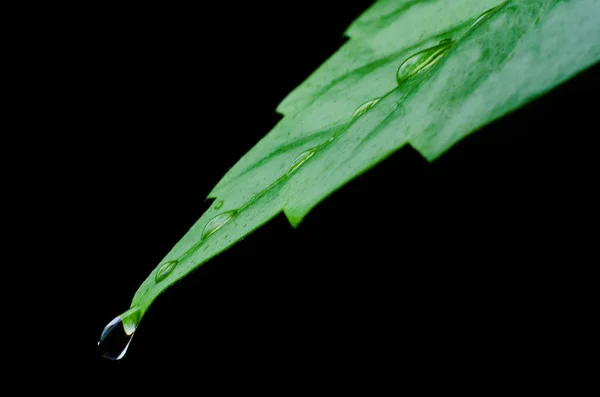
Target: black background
{"x":467,"y":271}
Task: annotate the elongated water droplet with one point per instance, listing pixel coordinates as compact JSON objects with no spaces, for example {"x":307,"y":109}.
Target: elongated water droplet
{"x":217,"y":222}
{"x":218,"y":204}
{"x":486,"y":14}
{"x":301,"y":159}
{"x":117,"y":334}
{"x":165,"y":270}
{"x":364,"y":108}
{"x":422,"y":61}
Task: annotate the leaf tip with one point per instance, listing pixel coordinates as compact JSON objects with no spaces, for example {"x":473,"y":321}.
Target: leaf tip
{"x":294,"y":218}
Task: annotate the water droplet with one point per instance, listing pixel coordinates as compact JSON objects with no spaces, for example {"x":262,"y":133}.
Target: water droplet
{"x":218,"y":204}
{"x":484,"y":16}
{"x":364,"y":108}
{"x":301,"y":159}
{"x":217,"y":222}
{"x":422,"y":61}
{"x":117,"y":334}
{"x":165,"y":270}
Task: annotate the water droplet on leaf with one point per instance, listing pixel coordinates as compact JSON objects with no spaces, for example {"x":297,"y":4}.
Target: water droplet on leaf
{"x":117,"y":334}
{"x":486,"y":14}
{"x":422,"y":61}
{"x":364,"y":108}
{"x":301,"y":159}
{"x":165,"y":270}
{"x":217,"y":222}
{"x":218,"y":204}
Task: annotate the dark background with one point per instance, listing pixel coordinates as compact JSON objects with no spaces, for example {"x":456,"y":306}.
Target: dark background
{"x":469,"y":271}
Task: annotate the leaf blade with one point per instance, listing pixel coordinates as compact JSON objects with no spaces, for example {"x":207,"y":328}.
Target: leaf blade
{"x":430,"y":112}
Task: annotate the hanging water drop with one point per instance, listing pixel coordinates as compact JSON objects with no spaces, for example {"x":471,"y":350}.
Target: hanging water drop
{"x":301,"y":159}
{"x":165,"y":270}
{"x":117,"y":334}
{"x":364,"y":108}
{"x":218,"y":204}
{"x":422,"y":61}
{"x":217,"y":222}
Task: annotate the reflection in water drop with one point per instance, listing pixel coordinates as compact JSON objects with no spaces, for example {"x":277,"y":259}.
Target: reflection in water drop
{"x":218,"y":204}
{"x":364,"y":108}
{"x":117,"y":334}
{"x":165,"y":270}
{"x":301,"y":159}
{"x":217,"y":222}
{"x":422,"y":61}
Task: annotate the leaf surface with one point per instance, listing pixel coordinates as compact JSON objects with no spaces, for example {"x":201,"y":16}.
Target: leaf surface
{"x":493,"y":65}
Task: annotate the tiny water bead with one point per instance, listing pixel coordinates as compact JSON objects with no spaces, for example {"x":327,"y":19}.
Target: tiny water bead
{"x":218,"y":204}
{"x":217,"y":222}
{"x":422,"y":61}
{"x":117,"y":334}
{"x":301,"y":159}
{"x":165,"y":270}
{"x":364,"y":108}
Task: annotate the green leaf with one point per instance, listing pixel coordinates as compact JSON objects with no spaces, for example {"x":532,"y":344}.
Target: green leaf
{"x":477,"y":60}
